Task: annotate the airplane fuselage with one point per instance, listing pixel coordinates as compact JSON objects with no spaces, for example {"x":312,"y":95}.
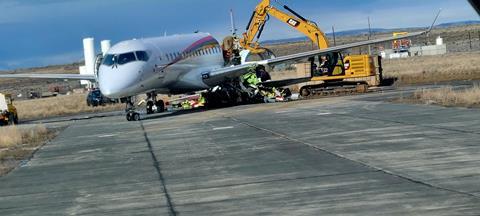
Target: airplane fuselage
{"x":167,"y":65}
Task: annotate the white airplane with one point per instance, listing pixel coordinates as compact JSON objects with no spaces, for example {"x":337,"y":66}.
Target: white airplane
{"x":176,"y":64}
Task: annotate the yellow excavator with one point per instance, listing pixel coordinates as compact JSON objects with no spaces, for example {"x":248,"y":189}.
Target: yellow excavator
{"x":333,"y":70}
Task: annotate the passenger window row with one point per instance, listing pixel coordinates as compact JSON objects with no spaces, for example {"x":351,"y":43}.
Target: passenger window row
{"x":196,"y":53}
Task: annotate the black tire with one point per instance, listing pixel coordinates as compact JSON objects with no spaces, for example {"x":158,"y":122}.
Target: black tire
{"x":150,"y":107}
{"x":136,"y":117}
{"x":129,"y":117}
{"x":160,"y":106}
{"x":88,"y":103}
{"x":11,"y":119}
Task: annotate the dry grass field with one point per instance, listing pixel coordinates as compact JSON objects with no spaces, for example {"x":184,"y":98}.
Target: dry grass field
{"x":59,"y":106}
{"x":447,"y":96}
{"x":433,"y":69}
{"x":19,"y":143}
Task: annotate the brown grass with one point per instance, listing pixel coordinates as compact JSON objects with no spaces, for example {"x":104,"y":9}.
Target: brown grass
{"x":12,"y":135}
{"x":432,"y":69}
{"x":59,"y":106}
{"x":447,"y":96}
{"x":18,"y":143}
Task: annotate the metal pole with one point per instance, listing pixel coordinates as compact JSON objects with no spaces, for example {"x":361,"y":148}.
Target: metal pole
{"x":470,"y":39}
{"x":334,"y":38}
{"x":232,"y":22}
{"x":369,"y":36}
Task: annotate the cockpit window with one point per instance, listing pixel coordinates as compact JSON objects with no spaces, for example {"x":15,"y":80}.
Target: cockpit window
{"x":109,"y":60}
{"x":126,"y":58}
{"x":121,"y":59}
{"x":142,"y":55}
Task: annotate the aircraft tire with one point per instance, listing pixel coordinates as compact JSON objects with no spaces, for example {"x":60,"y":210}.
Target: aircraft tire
{"x":160,"y":106}
{"x":150,"y":107}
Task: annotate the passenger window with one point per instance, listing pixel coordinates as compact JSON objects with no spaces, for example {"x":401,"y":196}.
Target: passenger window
{"x":126,"y":58}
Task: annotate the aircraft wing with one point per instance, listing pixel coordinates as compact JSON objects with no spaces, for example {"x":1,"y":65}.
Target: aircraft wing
{"x":50,"y":76}
{"x":236,"y":71}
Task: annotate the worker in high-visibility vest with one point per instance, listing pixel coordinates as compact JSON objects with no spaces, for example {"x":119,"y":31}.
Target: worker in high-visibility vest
{"x":201,"y":101}
{"x":186,"y":105}
{"x":251,"y":79}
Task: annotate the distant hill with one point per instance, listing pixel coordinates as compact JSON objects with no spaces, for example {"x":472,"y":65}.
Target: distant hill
{"x":365,"y":31}
{"x":460,"y":23}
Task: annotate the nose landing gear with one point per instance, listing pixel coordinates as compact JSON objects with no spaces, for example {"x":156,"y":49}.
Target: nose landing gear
{"x":152,"y":106}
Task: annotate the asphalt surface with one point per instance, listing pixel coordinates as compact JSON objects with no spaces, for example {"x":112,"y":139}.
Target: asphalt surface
{"x":339,"y":156}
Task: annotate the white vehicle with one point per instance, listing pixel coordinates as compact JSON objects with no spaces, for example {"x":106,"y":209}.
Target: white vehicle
{"x":175,"y":65}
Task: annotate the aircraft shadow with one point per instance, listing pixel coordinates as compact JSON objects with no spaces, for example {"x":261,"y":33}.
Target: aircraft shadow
{"x":172,"y":114}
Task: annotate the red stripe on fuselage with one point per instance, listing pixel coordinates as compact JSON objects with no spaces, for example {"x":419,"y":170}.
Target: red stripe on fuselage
{"x":194,"y":46}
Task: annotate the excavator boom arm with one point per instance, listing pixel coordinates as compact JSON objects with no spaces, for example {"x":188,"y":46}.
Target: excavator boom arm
{"x":260,"y":17}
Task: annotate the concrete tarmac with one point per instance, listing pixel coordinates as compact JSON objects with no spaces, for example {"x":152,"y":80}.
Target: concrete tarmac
{"x":338,"y":156}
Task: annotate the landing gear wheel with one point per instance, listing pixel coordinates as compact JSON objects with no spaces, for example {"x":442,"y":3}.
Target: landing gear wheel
{"x":150,"y":107}
{"x":160,"y":106}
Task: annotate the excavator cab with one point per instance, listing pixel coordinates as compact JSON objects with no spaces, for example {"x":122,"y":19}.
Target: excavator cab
{"x":331,"y":64}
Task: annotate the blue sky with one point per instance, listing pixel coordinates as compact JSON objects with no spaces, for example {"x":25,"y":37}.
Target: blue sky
{"x":44,"y":32}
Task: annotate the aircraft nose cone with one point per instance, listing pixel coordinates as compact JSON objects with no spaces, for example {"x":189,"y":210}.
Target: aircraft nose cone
{"x":119,"y":82}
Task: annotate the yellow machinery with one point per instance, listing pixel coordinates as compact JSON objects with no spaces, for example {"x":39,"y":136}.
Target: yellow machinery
{"x":8,"y":112}
{"x":329,"y":68}
{"x":260,"y":17}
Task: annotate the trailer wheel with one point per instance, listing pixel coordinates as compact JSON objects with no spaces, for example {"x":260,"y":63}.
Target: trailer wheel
{"x":136,"y":117}
{"x":11,"y":119}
